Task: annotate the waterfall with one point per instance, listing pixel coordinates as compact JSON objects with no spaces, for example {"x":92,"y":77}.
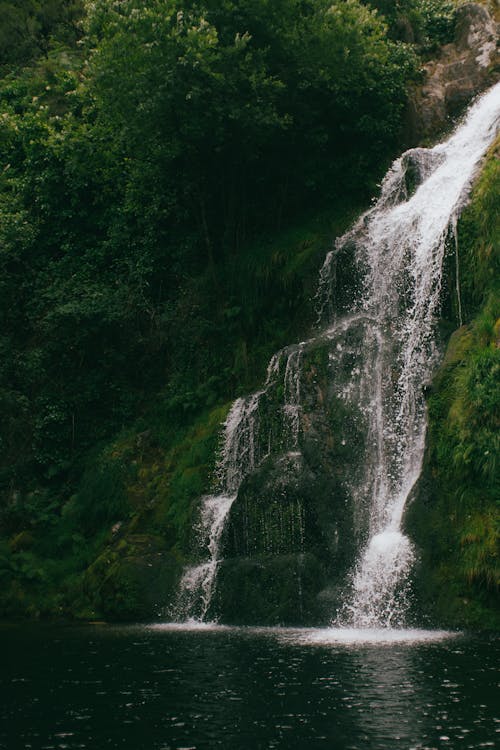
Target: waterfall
{"x":237,"y":458}
{"x":379,"y":298}
{"x":241,"y":450}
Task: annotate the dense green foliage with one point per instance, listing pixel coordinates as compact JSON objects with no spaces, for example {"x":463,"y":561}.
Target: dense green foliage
{"x":429,"y":22}
{"x":458,"y":528}
{"x":30,"y":27}
{"x":132,"y":185}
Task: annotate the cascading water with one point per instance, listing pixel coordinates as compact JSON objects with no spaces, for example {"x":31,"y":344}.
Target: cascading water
{"x":236,"y":460}
{"x":241,"y":451}
{"x":379,"y":297}
{"x":401,"y":242}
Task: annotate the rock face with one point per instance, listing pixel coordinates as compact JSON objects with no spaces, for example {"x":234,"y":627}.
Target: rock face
{"x":462,"y":70}
{"x":288,"y":542}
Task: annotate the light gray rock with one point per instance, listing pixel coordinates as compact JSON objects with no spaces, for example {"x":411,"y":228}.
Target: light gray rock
{"x":463,"y":69}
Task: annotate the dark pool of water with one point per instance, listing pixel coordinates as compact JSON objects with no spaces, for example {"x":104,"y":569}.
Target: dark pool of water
{"x":136,"y":688}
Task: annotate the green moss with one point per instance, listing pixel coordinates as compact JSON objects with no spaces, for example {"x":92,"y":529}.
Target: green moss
{"x":455,"y":518}
{"x":141,"y":560}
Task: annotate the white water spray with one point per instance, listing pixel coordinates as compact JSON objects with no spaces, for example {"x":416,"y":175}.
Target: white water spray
{"x":401,"y":243}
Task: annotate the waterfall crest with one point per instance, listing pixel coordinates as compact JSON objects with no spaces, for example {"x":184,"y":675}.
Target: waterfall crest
{"x":378,"y":301}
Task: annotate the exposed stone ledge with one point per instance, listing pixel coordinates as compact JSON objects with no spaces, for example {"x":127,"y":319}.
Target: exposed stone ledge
{"x":463,"y":69}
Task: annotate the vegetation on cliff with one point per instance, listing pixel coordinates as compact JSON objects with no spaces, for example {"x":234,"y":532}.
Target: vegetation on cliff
{"x":456,"y":520}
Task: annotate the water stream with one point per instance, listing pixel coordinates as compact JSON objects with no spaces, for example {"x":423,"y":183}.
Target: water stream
{"x":379,"y":300}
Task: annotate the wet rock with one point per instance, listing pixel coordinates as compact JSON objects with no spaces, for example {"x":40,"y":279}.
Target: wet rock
{"x":291,"y":530}
{"x":477,"y":32}
{"x":270,"y":590}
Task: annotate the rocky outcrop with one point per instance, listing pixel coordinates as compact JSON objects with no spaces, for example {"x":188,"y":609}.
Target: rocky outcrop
{"x":463,"y":69}
{"x":289,"y":540}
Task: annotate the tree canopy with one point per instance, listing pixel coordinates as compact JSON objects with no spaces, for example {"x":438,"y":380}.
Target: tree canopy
{"x":139,"y":164}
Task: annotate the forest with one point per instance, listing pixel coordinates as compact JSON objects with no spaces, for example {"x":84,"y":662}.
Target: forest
{"x":171,"y":175}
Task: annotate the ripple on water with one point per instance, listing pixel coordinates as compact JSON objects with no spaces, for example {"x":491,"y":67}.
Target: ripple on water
{"x":189,"y":625}
{"x":318,"y":636}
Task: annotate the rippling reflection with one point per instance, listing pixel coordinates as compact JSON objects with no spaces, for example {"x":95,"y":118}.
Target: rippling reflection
{"x":166,"y":689}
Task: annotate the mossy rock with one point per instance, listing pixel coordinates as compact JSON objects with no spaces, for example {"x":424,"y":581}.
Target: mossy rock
{"x":133,"y":580}
{"x":270,"y":590}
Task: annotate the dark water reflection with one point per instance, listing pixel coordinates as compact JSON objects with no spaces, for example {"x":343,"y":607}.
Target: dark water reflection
{"x":146,"y":689}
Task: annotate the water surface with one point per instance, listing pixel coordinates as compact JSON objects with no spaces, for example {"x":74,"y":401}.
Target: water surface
{"x":167,"y":688}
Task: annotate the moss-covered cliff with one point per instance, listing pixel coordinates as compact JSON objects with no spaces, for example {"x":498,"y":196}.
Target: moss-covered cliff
{"x":455,"y":518}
